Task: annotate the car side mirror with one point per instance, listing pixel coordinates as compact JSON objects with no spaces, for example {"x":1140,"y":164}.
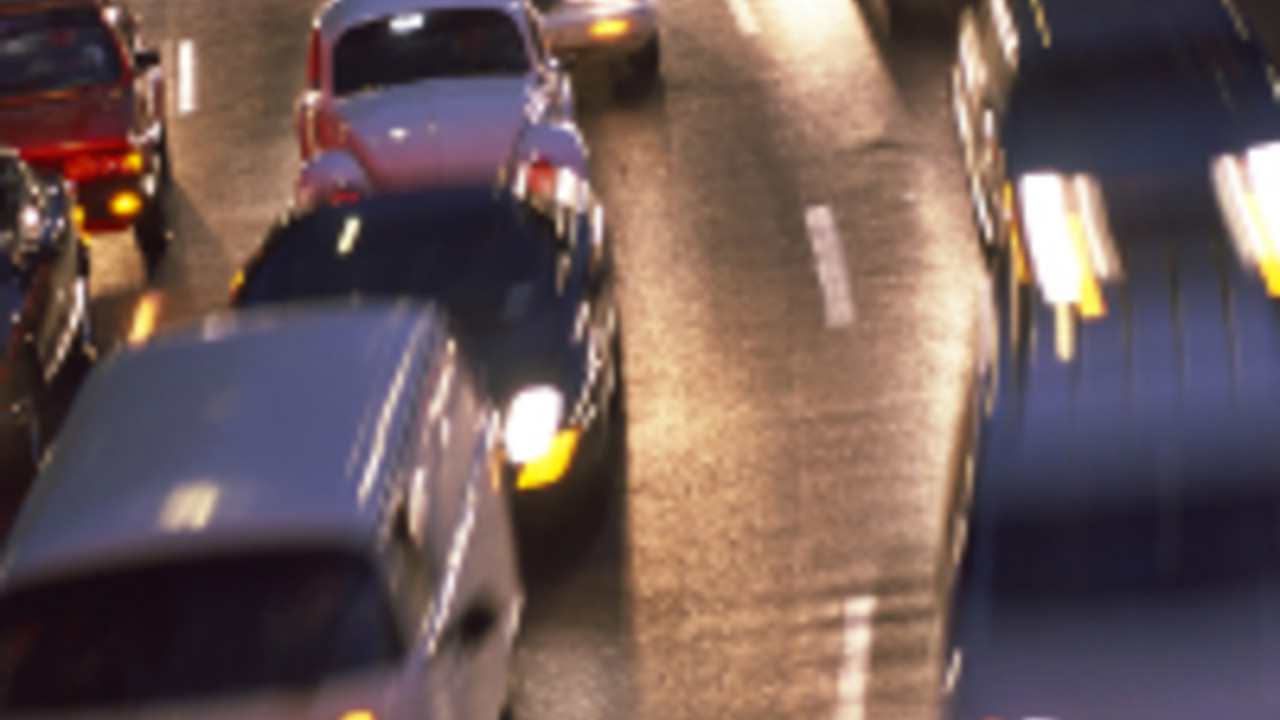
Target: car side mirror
{"x":146,"y":59}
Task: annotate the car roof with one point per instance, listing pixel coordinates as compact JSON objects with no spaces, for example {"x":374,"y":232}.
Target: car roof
{"x":262,"y":426}
{"x":341,"y":15}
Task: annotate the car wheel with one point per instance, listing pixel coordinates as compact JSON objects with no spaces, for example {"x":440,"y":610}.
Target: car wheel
{"x":152,"y":236}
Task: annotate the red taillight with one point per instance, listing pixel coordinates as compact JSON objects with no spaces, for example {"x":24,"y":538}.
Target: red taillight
{"x":328,"y":135}
{"x":313,"y":60}
{"x":87,"y":166}
{"x":540,"y":179}
{"x":343,"y":196}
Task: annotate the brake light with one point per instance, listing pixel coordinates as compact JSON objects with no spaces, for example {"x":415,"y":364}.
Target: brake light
{"x":540,"y":179}
{"x":343,"y":196}
{"x":87,"y":166}
{"x":313,"y":60}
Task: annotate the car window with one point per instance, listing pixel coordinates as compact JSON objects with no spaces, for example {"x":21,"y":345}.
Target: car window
{"x":178,"y":630}
{"x":420,"y":46}
{"x":470,"y":258}
{"x":56,"y":50}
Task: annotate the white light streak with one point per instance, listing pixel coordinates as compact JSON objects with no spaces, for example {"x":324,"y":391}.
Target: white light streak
{"x":744,"y":17}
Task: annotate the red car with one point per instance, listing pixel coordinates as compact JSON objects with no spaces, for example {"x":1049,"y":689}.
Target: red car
{"x":80,"y":96}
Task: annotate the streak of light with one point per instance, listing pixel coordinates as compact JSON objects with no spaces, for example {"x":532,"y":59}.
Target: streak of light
{"x":350,"y":232}
{"x":744,"y":17}
{"x":145,"y":317}
{"x":1042,"y":23}
{"x":1064,"y":332}
{"x":855,"y":663}
{"x":186,"y":77}
{"x":189,"y":507}
{"x":833,"y":276}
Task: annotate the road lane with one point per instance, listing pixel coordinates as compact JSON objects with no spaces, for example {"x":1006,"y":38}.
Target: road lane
{"x":778,"y":469}
{"x":780,"y":473}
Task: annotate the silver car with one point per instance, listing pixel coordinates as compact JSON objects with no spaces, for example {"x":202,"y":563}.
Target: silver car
{"x":408,"y":94}
{"x":624,"y":32}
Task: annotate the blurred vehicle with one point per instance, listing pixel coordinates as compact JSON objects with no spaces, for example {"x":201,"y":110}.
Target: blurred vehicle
{"x":1118,"y":545}
{"x":1117,"y":548}
{"x":624,"y":32}
{"x":405,"y":94}
{"x":529,"y":285}
{"x":44,"y":293}
{"x":81,"y":95}
{"x":270,"y":515}
{"x":1083,"y":118}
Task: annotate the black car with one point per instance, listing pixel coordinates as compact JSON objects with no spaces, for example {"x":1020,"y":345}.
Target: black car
{"x":529,"y":286}
{"x":44,"y":294}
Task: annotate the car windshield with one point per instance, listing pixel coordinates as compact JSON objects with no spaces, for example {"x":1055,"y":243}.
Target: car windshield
{"x":425,"y":45}
{"x":460,"y":248}
{"x":1172,"y":103}
{"x":196,"y":628}
{"x":55,"y":51}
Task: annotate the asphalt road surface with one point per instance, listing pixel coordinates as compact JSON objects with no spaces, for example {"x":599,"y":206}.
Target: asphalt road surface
{"x":799,"y":276}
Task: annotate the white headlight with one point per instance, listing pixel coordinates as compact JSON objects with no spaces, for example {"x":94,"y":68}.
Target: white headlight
{"x":1048,"y":222}
{"x":533,"y":417}
{"x":1068,"y":237}
{"x":1247,"y":188}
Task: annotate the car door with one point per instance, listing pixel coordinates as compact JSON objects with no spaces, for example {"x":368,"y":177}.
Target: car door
{"x":57,"y":289}
{"x":477,"y":599}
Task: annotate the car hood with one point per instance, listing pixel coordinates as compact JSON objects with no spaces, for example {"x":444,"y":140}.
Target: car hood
{"x":526,"y":341}
{"x":376,"y":692}
{"x":436,"y":132}
{"x":93,"y":115}
{"x":1189,"y":656}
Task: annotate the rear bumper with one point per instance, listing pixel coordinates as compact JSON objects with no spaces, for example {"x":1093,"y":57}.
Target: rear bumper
{"x":569,"y":27}
{"x":96,"y":198}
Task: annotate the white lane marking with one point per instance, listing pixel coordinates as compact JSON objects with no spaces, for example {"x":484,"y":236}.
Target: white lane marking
{"x":828,"y":253}
{"x":186,"y":77}
{"x":744,"y":16}
{"x":855,"y":661}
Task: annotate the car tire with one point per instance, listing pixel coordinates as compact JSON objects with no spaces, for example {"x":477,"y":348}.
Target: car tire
{"x":152,"y":236}
{"x":152,"y":229}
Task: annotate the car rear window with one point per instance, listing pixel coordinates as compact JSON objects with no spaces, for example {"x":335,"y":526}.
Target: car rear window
{"x":448,"y":248}
{"x":175,"y":631}
{"x":56,"y":50}
{"x":424,"y":45}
